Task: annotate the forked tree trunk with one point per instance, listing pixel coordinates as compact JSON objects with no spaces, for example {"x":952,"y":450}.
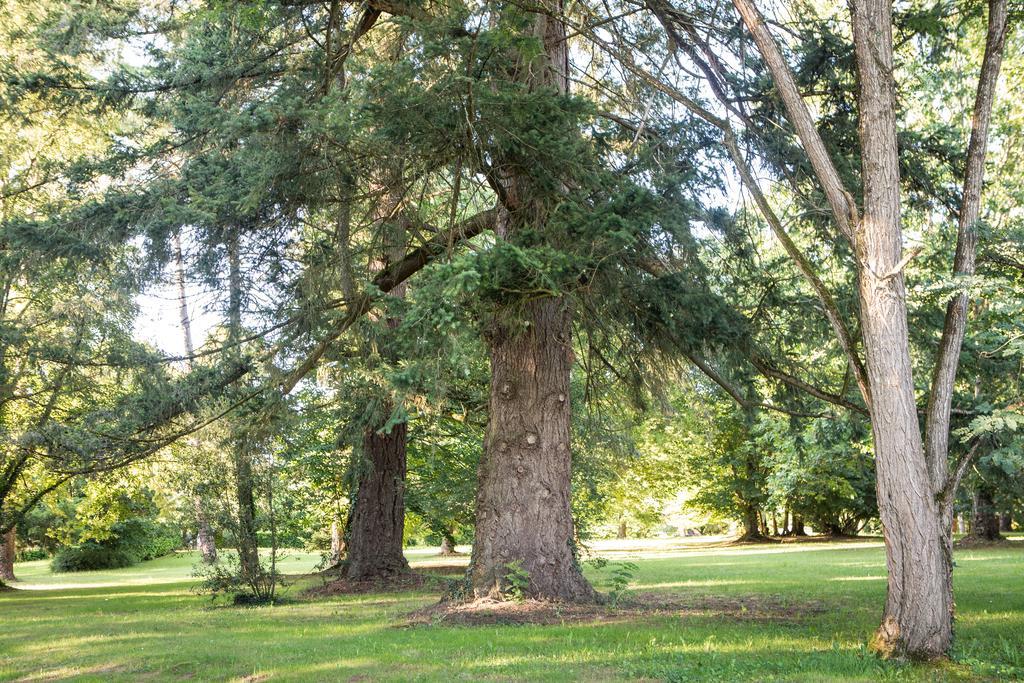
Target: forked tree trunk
{"x":8,"y":551}
{"x":985,"y":521}
{"x":522,"y":507}
{"x":915,"y":490}
{"x":376,"y":524}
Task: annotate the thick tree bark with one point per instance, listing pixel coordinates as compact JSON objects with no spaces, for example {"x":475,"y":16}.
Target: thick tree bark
{"x":985,"y":521}
{"x":376,"y":524}
{"x":8,"y":550}
{"x":522,"y":507}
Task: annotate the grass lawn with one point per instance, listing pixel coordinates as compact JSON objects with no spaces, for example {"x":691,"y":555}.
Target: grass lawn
{"x":144,"y":623}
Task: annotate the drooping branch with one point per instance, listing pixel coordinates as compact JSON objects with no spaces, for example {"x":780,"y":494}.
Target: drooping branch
{"x":384,"y":282}
{"x":844,"y":209}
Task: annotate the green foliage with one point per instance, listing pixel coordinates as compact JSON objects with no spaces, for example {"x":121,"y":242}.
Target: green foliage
{"x":31,"y":554}
{"x":129,"y":542}
{"x":91,"y":556}
{"x":226,"y":579}
{"x":516,"y":581}
{"x":622,"y":574}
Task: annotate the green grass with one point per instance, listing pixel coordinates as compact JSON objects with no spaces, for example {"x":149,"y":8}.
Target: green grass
{"x":144,"y":623}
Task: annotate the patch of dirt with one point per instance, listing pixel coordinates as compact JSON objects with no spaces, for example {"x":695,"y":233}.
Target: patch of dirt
{"x":975,"y":542}
{"x":494,"y":612}
{"x":398,"y":583}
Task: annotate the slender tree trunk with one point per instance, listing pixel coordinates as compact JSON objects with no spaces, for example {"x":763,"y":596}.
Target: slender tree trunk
{"x":337,"y":543}
{"x":622,"y":529}
{"x":522,"y":506}
{"x":8,"y":551}
{"x":205,"y":540}
{"x":377,"y":522}
{"x":775,"y":523}
{"x":1006,"y":521}
{"x":247,"y":540}
{"x":918,"y":618}
{"x":985,"y":521}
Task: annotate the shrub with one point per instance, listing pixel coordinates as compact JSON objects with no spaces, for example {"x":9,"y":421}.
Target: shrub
{"x":31,"y":554}
{"x":90,"y":556}
{"x":134,"y":540}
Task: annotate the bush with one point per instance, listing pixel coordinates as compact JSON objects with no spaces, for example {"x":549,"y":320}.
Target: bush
{"x":134,"y":540}
{"x":31,"y":554}
{"x":145,"y":539}
{"x":90,"y":556}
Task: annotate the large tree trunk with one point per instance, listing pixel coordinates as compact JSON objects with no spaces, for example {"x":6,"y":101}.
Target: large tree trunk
{"x":523,"y":512}
{"x":798,"y":526}
{"x":751,"y":522}
{"x":522,"y":506}
{"x":985,"y":521}
{"x":8,"y":550}
{"x":377,"y":522}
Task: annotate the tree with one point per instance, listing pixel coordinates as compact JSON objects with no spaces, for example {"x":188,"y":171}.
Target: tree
{"x":917,"y":621}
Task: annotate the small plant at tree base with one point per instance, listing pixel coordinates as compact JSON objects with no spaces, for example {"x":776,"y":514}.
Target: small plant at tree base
{"x":517,"y":581}
{"x":621,"y":577}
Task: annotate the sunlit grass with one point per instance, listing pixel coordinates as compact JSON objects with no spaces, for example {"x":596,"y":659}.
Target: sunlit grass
{"x":145,"y":622}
